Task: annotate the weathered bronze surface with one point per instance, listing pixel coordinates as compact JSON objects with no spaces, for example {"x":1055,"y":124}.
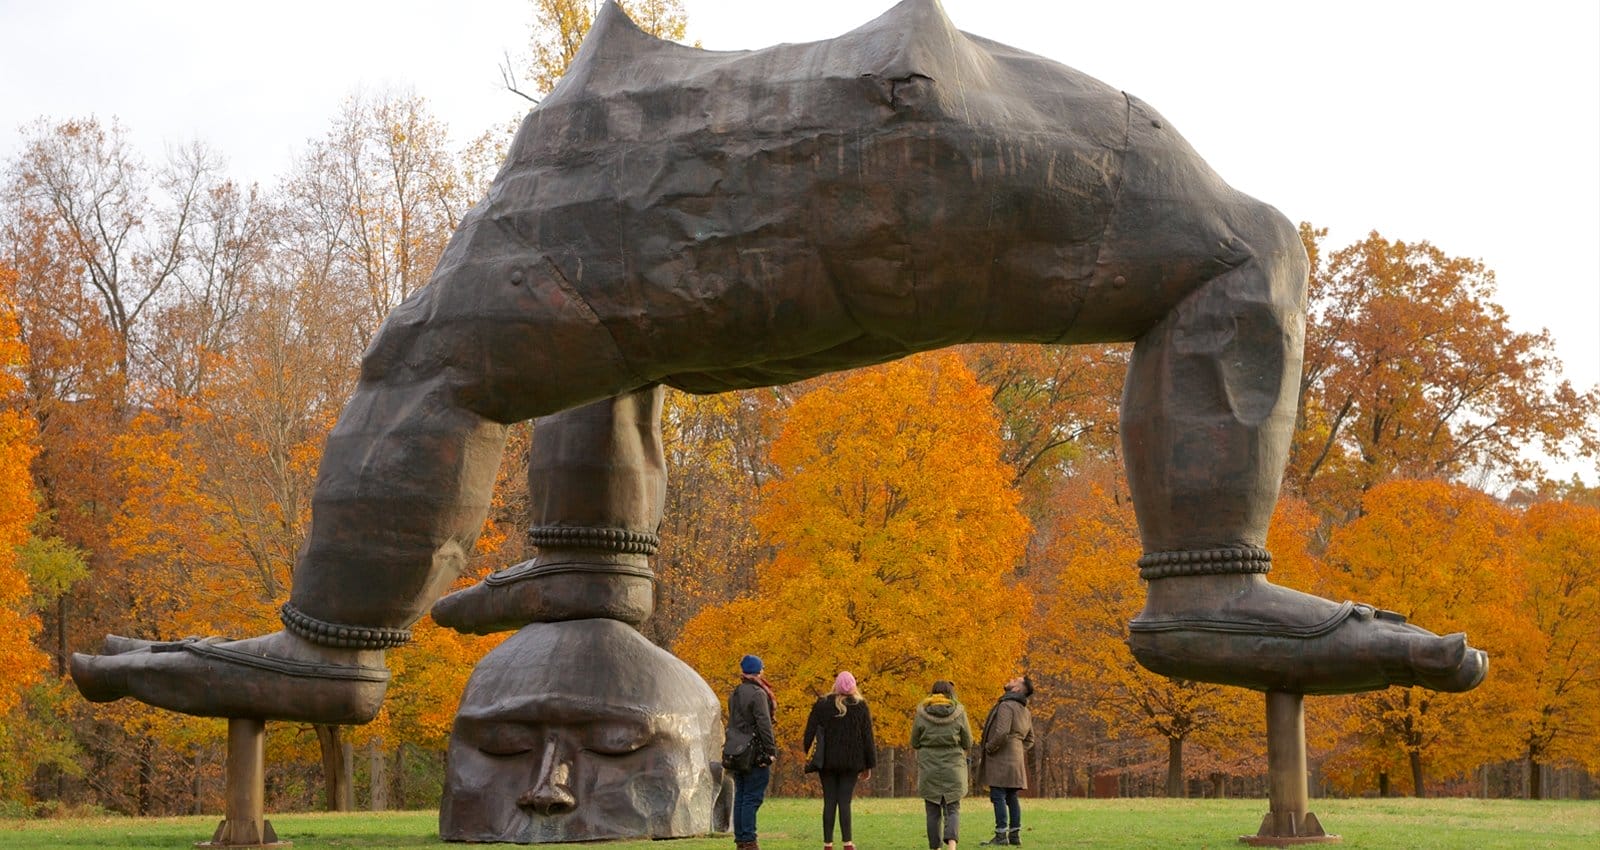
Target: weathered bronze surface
{"x":718,"y":220}
{"x":582,"y":730}
{"x":597,"y":483}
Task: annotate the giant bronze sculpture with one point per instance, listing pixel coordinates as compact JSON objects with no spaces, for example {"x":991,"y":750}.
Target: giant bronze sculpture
{"x":711,"y":221}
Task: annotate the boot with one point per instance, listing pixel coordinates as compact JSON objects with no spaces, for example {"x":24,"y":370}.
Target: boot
{"x":1015,"y":837}
{"x":999,"y":840}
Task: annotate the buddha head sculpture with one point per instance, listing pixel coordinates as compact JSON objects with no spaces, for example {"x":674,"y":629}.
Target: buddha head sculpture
{"x":581,"y":730}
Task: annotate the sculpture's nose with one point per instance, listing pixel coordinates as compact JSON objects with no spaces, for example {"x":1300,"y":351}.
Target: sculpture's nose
{"x":551,"y":794}
{"x":548,"y":798}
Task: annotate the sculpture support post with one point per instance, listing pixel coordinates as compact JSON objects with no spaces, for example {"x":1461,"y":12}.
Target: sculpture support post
{"x":1288,"y":820}
{"x":244,"y":823}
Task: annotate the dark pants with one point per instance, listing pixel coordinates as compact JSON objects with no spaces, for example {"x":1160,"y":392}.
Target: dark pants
{"x":838,"y":788}
{"x":1005,"y":802}
{"x":949,"y":812}
{"x":749,"y":790}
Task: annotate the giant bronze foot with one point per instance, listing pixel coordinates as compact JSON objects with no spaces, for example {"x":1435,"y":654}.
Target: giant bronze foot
{"x":1242,"y":630}
{"x":538,"y":592}
{"x":279,"y":676}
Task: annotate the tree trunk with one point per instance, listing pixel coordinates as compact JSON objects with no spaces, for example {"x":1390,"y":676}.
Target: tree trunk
{"x":1383,"y":783}
{"x":378,"y":777}
{"x":196,"y":787}
{"x":61,"y":635}
{"x":337,"y":771}
{"x":400,"y":777}
{"x":1535,"y":779}
{"x":146,"y":771}
{"x":889,"y":779}
{"x":1175,"y":784}
{"x":1417,"y":789}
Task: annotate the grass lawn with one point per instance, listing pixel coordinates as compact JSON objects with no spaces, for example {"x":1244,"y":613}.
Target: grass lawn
{"x":792,"y":824}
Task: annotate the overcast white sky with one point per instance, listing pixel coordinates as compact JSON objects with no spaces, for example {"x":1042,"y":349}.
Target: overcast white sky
{"x":1475,"y":125}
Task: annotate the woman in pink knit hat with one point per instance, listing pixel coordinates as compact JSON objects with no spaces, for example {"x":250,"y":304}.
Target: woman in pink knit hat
{"x":841,"y":727}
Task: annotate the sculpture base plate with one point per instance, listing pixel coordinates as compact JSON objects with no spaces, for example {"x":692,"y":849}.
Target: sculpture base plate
{"x":224,"y":836}
{"x":1309,"y":832}
{"x":1287,"y":841}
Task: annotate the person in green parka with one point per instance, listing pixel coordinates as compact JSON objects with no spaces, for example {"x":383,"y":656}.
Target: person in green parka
{"x":941,"y":736}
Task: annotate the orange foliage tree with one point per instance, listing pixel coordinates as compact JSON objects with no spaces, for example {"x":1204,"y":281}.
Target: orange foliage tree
{"x":896,"y":529}
{"x":1559,"y":548}
{"x":21,"y":664}
{"x":1411,"y":369}
{"x":1078,"y":644}
{"x":1442,"y":555}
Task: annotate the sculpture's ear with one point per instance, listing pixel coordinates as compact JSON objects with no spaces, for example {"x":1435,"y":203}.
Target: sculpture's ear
{"x":614,"y":45}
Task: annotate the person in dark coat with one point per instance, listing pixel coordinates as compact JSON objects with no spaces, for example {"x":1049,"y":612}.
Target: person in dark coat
{"x":941,"y":736}
{"x":1007,"y":734}
{"x":750,"y":710}
{"x":841,"y":726}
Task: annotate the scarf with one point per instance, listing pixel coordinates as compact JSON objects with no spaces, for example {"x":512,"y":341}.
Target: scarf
{"x":761,"y":681}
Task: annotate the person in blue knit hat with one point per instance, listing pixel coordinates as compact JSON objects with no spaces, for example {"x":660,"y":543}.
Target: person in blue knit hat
{"x":750,"y":748}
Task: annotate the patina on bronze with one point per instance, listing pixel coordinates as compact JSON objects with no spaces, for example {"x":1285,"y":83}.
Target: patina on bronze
{"x":712,"y":221}
{"x":582,"y":730}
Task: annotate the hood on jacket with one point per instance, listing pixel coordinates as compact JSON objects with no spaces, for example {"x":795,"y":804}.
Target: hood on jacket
{"x":940,"y":709}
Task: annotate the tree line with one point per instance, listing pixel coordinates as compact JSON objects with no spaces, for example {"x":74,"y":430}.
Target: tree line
{"x":176,"y":345}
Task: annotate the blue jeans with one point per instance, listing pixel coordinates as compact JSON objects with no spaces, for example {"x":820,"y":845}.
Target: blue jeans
{"x":749,"y":790}
{"x":1005,"y":802}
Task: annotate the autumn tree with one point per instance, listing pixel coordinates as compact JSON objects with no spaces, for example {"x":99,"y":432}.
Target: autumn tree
{"x":1558,"y":544}
{"x":21,"y":664}
{"x":716,"y":450}
{"x":1412,"y":370}
{"x":1441,"y":555}
{"x":226,"y":252}
{"x":374,"y":202}
{"x":1057,"y":403}
{"x":122,"y":225}
{"x":1079,"y":643}
{"x":896,"y":529}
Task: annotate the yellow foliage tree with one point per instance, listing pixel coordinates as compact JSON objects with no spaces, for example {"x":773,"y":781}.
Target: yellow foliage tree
{"x":896,"y":530}
{"x":560,"y":25}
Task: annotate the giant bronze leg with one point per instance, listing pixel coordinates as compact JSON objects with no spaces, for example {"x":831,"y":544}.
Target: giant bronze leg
{"x":1207,"y":416}
{"x":401,"y":493}
{"x":597,"y":483}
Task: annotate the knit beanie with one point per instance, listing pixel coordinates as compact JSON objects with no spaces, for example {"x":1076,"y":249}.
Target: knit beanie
{"x":750,"y":665}
{"x":844,"y":683}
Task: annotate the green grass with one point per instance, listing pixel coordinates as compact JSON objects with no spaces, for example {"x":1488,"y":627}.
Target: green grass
{"x":792,"y":824}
